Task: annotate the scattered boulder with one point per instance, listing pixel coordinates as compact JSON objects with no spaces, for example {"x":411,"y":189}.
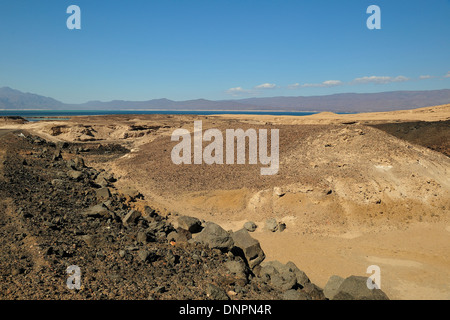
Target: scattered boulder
{"x":57,"y":155}
{"x":288,"y":276}
{"x":278,"y":192}
{"x":250,"y":226}
{"x":160,"y":289}
{"x":91,"y":240}
{"x":103,"y":194}
{"x":75,"y":175}
{"x":314,"y":291}
{"x":271,"y":225}
{"x":302,"y":278}
{"x":131,"y":194}
{"x":149,"y":212}
{"x":183,"y":235}
{"x":143,"y":255}
{"x":237,"y":268}
{"x":216,"y":293}
{"x":144,"y":237}
{"x":131,"y":217}
{"x":191,"y":224}
{"x":215,"y":237}
{"x":57,"y":183}
{"x":171,"y":258}
{"x":332,"y":286}
{"x":355,"y":288}
{"x":160,"y":229}
{"x":98,"y":211}
{"x":179,"y":235}
{"x":104,"y":178}
{"x":239,"y":271}
{"x":76,"y":164}
{"x":248,"y":248}
{"x":147,"y":256}
{"x":62,"y":145}
{"x":278,"y":275}
{"x":292,"y":294}
{"x":17,"y":271}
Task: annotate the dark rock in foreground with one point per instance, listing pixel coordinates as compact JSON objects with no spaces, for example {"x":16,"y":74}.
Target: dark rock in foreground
{"x":216,"y":293}
{"x":332,"y":286}
{"x":60,"y":213}
{"x":355,"y":288}
{"x":248,"y":247}
{"x":193,"y":225}
{"x":215,"y":237}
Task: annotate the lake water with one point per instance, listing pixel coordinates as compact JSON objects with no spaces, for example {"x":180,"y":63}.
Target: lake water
{"x":32,"y":115}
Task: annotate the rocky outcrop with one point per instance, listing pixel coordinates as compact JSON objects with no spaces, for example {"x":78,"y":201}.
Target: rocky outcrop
{"x":215,"y":237}
{"x":61,"y":219}
{"x":248,"y":248}
{"x":355,"y":288}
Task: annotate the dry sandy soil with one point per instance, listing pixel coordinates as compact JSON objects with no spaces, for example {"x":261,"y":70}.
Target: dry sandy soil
{"x":353,"y":190}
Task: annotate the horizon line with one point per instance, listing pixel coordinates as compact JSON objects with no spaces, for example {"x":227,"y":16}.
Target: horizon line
{"x":222,"y":100}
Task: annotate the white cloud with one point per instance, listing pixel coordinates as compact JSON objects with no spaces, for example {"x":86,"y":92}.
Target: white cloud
{"x":266,"y":86}
{"x":380,"y":80}
{"x":447,"y":75}
{"x":332,"y":83}
{"x":325,"y":84}
{"x":238,"y":91}
{"x":294,"y":86}
{"x":373,"y":79}
{"x":400,"y":79}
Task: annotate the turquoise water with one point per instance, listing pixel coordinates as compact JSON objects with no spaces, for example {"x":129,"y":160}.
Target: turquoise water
{"x":34,"y":115}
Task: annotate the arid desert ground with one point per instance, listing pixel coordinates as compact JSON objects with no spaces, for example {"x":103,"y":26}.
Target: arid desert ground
{"x":352,"y":190}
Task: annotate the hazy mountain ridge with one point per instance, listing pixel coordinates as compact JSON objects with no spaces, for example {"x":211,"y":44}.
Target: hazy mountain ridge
{"x":383,"y":101}
{"x":15,"y":99}
{"x":11,"y":99}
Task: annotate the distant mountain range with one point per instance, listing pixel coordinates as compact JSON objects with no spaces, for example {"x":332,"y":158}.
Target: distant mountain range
{"x":11,"y":99}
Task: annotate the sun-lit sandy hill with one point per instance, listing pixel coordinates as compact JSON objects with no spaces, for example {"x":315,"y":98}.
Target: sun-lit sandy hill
{"x":332,"y":177}
{"x":353,"y":190}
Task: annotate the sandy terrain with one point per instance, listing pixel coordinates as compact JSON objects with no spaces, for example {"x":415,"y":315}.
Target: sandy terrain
{"x":353,"y":190}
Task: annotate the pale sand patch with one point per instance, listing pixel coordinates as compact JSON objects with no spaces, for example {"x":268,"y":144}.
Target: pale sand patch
{"x":350,"y":235}
{"x":415,"y":269}
{"x":417,"y":292}
{"x":394,"y":262}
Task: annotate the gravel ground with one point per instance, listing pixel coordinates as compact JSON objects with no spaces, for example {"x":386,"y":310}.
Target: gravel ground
{"x":46,"y":226}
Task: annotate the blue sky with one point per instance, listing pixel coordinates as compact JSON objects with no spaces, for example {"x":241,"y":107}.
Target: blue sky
{"x":222,"y":49}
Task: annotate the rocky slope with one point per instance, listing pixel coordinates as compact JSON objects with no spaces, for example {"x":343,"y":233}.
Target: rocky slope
{"x":56,"y":212}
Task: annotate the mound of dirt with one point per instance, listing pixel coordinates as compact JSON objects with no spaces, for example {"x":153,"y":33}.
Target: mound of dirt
{"x":55,"y":218}
{"x":333,"y":178}
{"x":4,"y":120}
{"x":433,"y":135}
{"x":352,"y":190}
